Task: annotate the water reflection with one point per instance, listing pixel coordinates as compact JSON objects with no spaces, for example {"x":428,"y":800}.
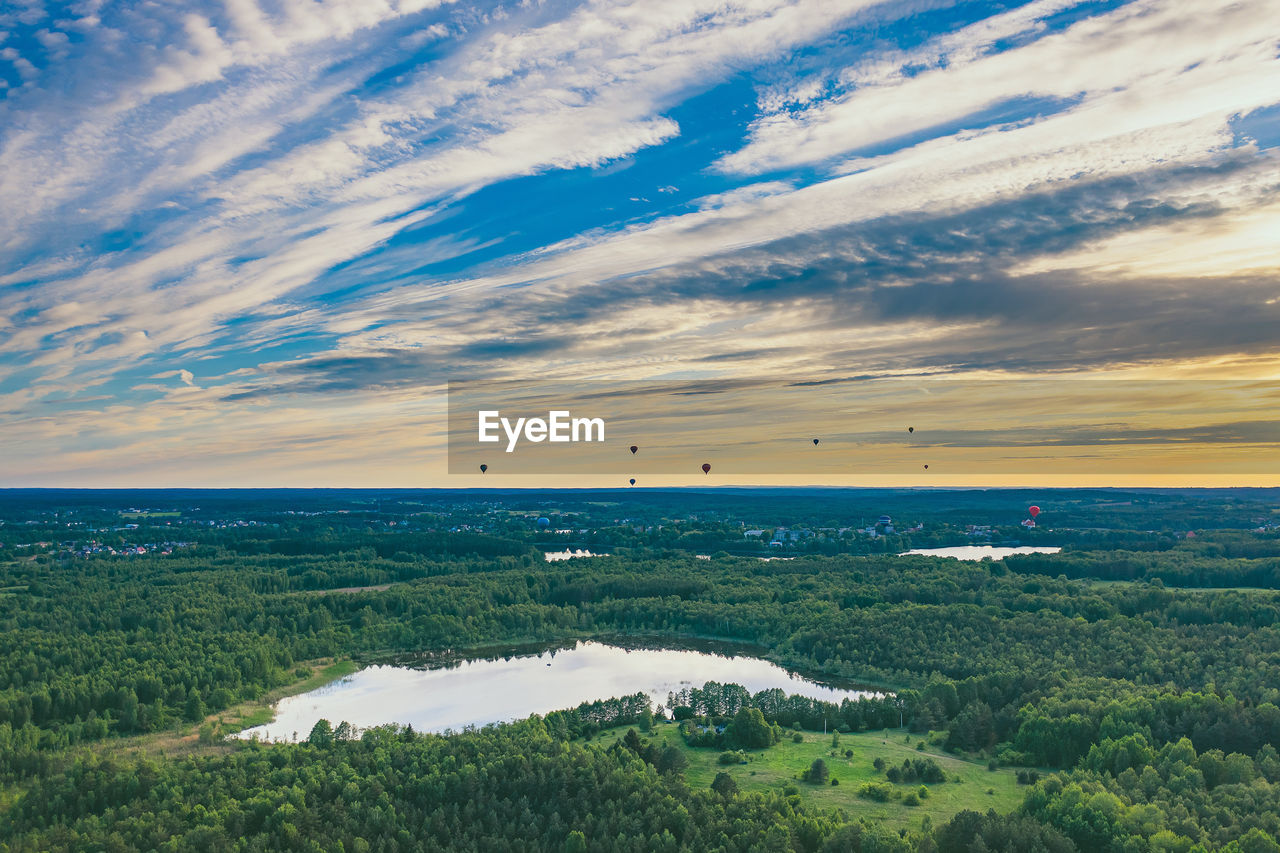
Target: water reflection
{"x":978,"y":552}
{"x":475,"y":692}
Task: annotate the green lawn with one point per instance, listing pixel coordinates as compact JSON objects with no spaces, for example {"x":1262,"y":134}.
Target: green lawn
{"x":779,"y":766}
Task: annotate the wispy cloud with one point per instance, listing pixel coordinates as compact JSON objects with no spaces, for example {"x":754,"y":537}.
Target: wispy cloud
{"x":235,"y":207}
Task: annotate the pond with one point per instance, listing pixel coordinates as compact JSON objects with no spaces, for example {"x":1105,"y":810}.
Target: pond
{"x":557,"y":556}
{"x":979,"y":552}
{"x":475,"y":692}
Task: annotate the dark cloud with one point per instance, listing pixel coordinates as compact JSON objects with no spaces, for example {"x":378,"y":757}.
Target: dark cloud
{"x":950,"y":273}
{"x":398,"y":368}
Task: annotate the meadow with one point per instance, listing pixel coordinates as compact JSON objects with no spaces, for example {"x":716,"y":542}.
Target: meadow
{"x":970,"y":784}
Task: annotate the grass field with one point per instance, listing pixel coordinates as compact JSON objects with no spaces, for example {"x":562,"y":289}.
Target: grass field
{"x":259,"y":712}
{"x":780,"y":765}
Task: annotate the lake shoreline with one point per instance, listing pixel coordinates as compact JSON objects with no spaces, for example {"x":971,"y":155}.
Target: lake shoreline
{"x":450,"y":658}
{"x":513,"y":683}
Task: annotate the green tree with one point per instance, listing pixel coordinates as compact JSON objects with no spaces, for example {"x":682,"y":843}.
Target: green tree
{"x":321,"y":733}
{"x":724,"y":785}
{"x":671,"y":760}
{"x":818,"y":772}
{"x":194,"y":710}
{"x":748,"y":730}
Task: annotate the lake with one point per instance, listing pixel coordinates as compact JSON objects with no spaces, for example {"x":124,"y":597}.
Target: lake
{"x":476,"y":692}
{"x":979,"y":552}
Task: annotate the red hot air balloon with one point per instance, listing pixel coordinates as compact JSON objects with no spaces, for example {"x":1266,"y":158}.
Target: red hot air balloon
{"x":706,"y":467}
{"x":634,"y":449}
{"x":1033,"y":511}
{"x":484,"y":468}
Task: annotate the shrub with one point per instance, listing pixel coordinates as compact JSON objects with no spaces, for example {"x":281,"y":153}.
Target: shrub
{"x":877,"y":791}
{"x":917,"y":770}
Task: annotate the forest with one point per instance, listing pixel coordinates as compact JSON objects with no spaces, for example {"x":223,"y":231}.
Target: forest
{"x":1133,"y":679}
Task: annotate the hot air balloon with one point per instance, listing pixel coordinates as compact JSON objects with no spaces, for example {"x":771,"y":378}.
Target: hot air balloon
{"x":634,"y":449}
{"x":1033,"y":511}
{"x":911,"y":429}
{"x":815,"y":441}
{"x":633,"y":481}
{"x":926,"y":467}
{"x":484,"y":468}
{"x":706,"y":467}
{"x":544,"y":522}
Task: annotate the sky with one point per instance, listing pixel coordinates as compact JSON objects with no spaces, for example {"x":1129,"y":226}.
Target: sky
{"x":250,"y":243}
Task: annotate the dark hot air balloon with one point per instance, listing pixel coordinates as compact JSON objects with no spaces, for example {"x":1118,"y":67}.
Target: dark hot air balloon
{"x":633,"y":481}
{"x":1033,"y":511}
{"x":911,"y":429}
{"x":926,"y":467}
{"x":706,"y":467}
{"x":544,"y":522}
{"x":634,"y":449}
{"x":815,"y":441}
{"x":484,"y":468}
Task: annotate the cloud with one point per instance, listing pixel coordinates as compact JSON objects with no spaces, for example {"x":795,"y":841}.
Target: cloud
{"x":899,"y":293}
{"x":340,"y":196}
{"x":25,"y":68}
{"x":1146,"y":64}
{"x":358,"y":200}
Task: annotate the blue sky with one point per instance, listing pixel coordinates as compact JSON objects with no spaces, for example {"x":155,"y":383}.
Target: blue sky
{"x":248,"y":243}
